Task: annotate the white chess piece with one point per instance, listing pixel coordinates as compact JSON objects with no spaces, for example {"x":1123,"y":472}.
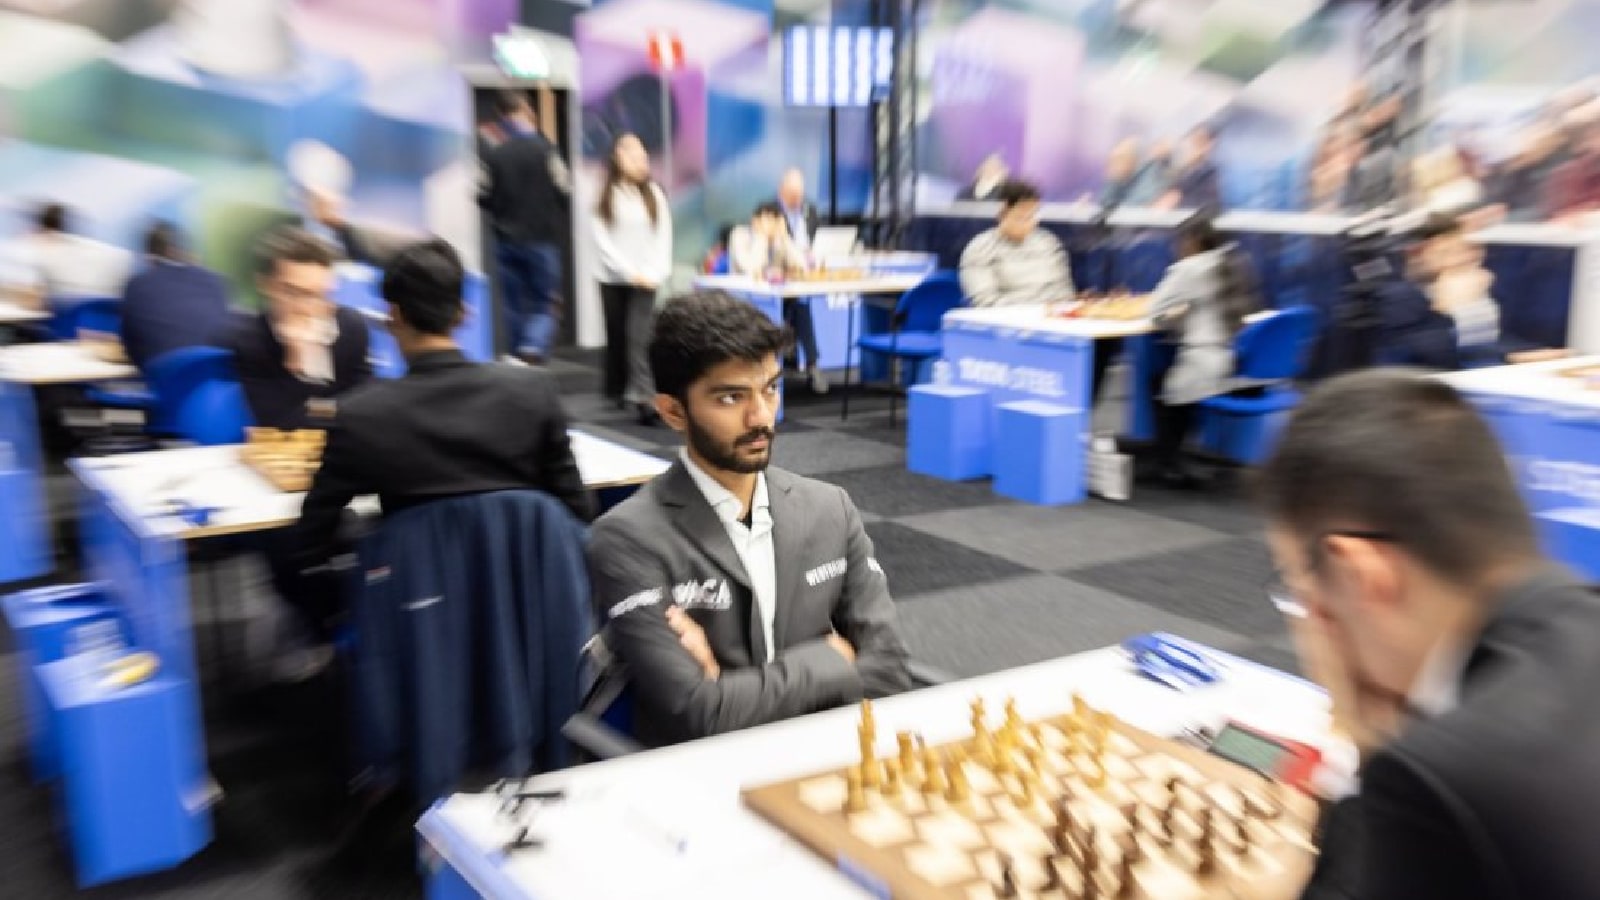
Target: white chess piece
{"x":236,"y":38}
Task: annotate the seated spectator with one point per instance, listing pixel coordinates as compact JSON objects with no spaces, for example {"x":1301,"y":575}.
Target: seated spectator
{"x":1129,"y":180}
{"x":302,"y":350}
{"x":174,"y":303}
{"x":1194,"y":182}
{"x":1016,"y":263}
{"x":51,"y":261}
{"x":763,"y":247}
{"x":986,"y":182}
{"x":736,"y":594}
{"x":766,"y":249}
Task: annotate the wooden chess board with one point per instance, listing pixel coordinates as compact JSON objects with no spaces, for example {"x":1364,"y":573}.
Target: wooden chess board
{"x":822,"y":276}
{"x":1589,"y":374}
{"x":1115,"y":308}
{"x":1076,"y":807}
{"x":286,"y":459}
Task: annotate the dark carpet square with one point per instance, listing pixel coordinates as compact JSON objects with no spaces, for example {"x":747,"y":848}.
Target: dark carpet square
{"x":917,"y":563}
{"x":891,"y":491}
{"x":1221,"y":584}
{"x":877,"y":427}
{"x":1223,"y":507}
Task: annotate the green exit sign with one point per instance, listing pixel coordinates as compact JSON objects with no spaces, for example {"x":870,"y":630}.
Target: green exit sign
{"x":521,"y":56}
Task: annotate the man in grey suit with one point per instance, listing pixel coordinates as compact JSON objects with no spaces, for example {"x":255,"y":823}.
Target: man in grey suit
{"x":736,"y":594}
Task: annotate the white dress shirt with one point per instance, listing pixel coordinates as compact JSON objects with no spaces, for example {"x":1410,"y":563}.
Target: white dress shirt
{"x":752,"y":542}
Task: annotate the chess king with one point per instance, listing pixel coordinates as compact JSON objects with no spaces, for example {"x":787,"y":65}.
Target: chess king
{"x":235,"y":38}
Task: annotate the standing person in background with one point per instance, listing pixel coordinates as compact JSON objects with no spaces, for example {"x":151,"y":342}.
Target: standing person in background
{"x":1201,"y":305}
{"x":174,"y":303}
{"x":801,"y":216}
{"x":633,"y":231}
{"x":527,"y":192}
{"x":992,"y":173}
{"x":303,"y":350}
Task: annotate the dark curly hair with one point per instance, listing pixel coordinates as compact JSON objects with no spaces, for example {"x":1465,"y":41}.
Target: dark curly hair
{"x":697,"y":331}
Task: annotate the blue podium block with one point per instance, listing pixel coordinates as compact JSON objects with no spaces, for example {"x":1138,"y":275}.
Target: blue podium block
{"x":947,"y":432}
{"x":49,"y":624}
{"x":129,"y":810}
{"x":25,"y":541}
{"x":1572,"y":537}
{"x":1038,"y":452}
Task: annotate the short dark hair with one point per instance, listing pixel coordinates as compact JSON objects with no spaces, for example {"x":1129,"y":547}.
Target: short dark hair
{"x":511,"y":101}
{"x":769,"y":208}
{"x":696,"y":331}
{"x":163,"y":242}
{"x":291,"y":244}
{"x":423,"y":281}
{"x":1013,"y":191}
{"x":51,"y":217}
{"x":1397,"y":452}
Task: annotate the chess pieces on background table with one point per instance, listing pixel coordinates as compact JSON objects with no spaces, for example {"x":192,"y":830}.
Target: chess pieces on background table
{"x":286,"y":459}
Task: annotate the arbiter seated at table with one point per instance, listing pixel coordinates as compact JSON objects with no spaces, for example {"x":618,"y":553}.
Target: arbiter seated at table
{"x":1016,"y":263}
{"x":450,"y":427}
{"x":303,"y":351}
{"x":734,"y":593}
{"x":1459,"y":658}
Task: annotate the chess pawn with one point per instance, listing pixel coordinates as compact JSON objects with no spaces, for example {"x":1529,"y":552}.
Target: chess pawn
{"x":958,"y":790}
{"x":891,"y":778}
{"x":908,"y":753}
{"x":855,"y":797}
{"x":1125,"y":881}
{"x":933,"y":781}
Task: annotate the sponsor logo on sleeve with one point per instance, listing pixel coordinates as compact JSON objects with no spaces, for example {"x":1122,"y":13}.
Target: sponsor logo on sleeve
{"x":827,"y":572}
{"x":638,"y":601}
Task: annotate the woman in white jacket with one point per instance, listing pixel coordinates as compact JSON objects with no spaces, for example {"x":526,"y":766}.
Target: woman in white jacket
{"x":633,"y":232}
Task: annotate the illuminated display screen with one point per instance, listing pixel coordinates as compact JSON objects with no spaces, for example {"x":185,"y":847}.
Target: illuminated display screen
{"x":844,"y":66}
{"x":1249,"y":750}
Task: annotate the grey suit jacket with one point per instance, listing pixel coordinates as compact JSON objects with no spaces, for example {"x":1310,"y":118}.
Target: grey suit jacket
{"x":665,"y":545}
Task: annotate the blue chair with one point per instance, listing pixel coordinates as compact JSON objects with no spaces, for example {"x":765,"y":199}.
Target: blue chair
{"x":1269,"y":354}
{"x":915,"y":331}
{"x":198,"y":397}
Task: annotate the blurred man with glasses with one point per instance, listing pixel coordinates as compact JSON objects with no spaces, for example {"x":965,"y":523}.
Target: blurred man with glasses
{"x":1462,"y":662}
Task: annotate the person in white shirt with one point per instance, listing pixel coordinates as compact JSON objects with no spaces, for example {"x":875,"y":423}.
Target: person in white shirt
{"x":51,"y":261}
{"x":633,"y":231}
{"x":763,"y":249}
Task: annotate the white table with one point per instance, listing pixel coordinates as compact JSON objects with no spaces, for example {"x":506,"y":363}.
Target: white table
{"x":14,"y":314}
{"x":1549,"y":426}
{"x":142,"y":485}
{"x":1029,"y":320}
{"x":609,"y":839}
{"x":63,"y":362}
{"x":790,"y":290}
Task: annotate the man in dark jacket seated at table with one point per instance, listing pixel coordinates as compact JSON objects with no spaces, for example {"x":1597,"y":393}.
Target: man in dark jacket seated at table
{"x":303,"y":350}
{"x":1460,"y":660}
{"x":450,"y":427}
{"x":173,"y":304}
{"x":736,"y":594}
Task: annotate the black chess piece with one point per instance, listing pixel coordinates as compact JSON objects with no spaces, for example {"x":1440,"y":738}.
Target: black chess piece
{"x":1008,"y":877}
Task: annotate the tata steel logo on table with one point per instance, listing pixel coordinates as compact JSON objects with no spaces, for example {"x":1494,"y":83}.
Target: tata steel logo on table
{"x":1005,"y":376}
{"x":1572,"y":479}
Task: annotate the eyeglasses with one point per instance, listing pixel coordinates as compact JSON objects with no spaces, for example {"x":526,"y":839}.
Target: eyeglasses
{"x":1283,"y":597}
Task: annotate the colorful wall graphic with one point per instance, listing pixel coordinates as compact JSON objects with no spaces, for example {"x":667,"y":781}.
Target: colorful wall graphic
{"x":192,"y":110}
